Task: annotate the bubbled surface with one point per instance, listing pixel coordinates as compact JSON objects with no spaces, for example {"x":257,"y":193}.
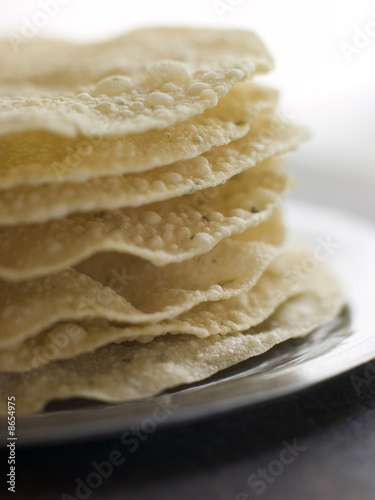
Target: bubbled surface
{"x":239,"y":313}
{"x":25,"y":204}
{"x":170,"y":231}
{"x":131,"y":370}
{"x":144,"y":80}
{"x":36,"y":158}
{"x":119,"y":287}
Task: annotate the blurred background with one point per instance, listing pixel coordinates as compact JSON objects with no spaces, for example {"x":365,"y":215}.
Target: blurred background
{"x":325,"y":68}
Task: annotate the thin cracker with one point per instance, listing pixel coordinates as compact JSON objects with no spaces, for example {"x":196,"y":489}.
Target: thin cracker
{"x":66,"y":340}
{"x":162,"y":233}
{"x":128,"y":371}
{"x":27,"y":204}
{"x":147,"y":79}
{"x":127,"y":289}
{"x":32,"y":159}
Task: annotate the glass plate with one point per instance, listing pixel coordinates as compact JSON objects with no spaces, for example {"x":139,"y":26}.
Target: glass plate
{"x":345,"y":343}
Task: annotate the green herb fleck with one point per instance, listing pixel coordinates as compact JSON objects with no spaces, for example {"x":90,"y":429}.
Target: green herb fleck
{"x":162,"y":358}
{"x":254,"y":210}
{"x":99,"y":215}
{"x":225,"y":282}
{"x":197,"y":140}
{"x":241,"y":122}
{"x":205,"y":218}
{"x":192,"y":237}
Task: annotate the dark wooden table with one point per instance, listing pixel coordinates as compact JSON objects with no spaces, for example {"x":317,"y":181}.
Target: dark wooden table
{"x":231,"y":457}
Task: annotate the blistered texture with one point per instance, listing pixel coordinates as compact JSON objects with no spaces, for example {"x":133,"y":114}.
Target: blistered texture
{"x":169,"y":231}
{"x":239,"y":313}
{"x":127,"y":289}
{"x":25,"y":204}
{"x":144,"y":80}
{"x":36,"y":158}
{"x":130,"y":370}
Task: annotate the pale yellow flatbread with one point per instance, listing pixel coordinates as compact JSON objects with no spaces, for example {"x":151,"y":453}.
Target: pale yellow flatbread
{"x":162,"y":233}
{"x":127,"y":289}
{"x":25,"y":204}
{"x":66,"y":340}
{"x":144,"y":80}
{"x":130,"y":370}
{"x":36,"y":158}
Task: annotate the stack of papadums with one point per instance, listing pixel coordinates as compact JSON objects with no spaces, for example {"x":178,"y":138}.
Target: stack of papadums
{"x":142,"y":244}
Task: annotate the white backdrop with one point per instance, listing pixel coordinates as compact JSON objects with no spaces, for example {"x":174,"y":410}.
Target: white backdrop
{"x":324,"y":50}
